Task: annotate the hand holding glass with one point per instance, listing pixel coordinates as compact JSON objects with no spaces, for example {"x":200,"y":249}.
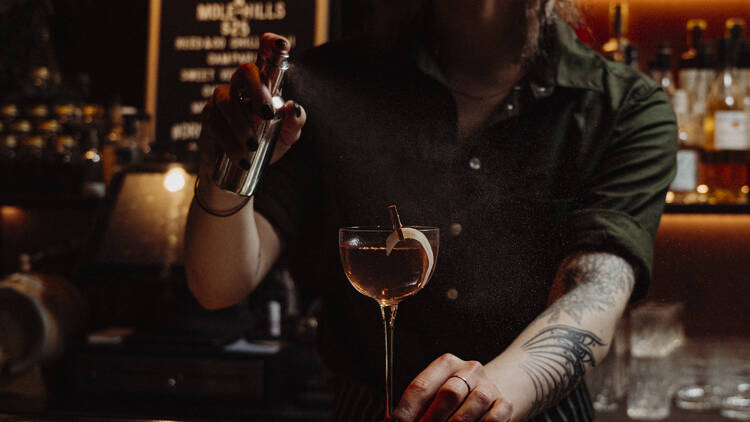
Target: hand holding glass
{"x":388,"y":271}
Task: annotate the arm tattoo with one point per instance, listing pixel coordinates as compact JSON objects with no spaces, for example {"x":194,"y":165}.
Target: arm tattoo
{"x":599,"y":277}
{"x":556,"y":364}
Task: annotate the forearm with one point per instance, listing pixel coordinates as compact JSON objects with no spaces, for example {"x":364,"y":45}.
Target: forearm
{"x":226,"y":257}
{"x":552,"y":354}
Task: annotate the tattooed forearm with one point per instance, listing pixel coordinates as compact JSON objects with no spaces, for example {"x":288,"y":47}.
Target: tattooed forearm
{"x":557,"y":359}
{"x":599,"y":277}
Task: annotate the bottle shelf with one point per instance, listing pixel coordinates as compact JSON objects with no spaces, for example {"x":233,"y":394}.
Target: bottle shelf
{"x":707,"y":209}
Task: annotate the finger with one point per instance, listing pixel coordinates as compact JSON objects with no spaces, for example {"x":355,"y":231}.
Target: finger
{"x":501,"y":411}
{"x":421,"y":390}
{"x":238,"y":122}
{"x":477,"y":404}
{"x":218,"y":132}
{"x":448,"y":398}
{"x":291,"y":128}
{"x":270,"y":42}
{"x":206,"y":143}
{"x":246,"y":82}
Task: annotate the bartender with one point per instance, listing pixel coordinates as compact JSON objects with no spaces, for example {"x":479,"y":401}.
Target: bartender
{"x":544,"y":165}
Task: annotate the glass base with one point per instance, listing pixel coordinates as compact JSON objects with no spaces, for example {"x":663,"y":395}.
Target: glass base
{"x":648,"y":414}
{"x":696,"y":397}
{"x":736,"y":407}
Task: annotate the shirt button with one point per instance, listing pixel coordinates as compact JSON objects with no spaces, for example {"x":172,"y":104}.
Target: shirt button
{"x":455,"y":229}
{"x":510,"y":107}
{"x":451,"y":294}
{"x":475,"y":163}
{"x":517,"y":87}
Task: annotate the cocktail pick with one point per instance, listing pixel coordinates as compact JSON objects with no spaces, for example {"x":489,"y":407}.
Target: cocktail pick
{"x":401,"y":234}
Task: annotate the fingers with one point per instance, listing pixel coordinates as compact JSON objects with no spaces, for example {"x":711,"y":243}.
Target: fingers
{"x":422,"y":389}
{"x":448,"y":398}
{"x":455,"y":393}
{"x":270,"y":42}
{"x":477,"y":404}
{"x":251,"y":97}
{"x":501,"y":411}
{"x":294,"y":119}
{"x":233,"y":114}
{"x":217,"y":136}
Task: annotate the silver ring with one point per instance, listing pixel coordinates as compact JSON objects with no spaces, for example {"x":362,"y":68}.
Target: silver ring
{"x":462,"y":379}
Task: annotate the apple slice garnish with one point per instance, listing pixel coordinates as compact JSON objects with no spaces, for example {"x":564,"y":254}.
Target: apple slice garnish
{"x":405,"y":234}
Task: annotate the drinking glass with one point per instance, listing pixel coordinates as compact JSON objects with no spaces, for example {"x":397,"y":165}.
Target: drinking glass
{"x":656,"y":330}
{"x":388,"y":276}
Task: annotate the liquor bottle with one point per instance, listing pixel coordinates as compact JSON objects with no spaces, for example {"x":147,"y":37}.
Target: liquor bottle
{"x":690,"y":58}
{"x":735,"y":29}
{"x":683,"y":187}
{"x":743,"y":64}
{"x":661,"y":69}
{"x":725,"y":125}
{"x":615,"y":48}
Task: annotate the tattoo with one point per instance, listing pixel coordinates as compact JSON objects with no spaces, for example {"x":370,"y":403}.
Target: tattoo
{"x":599,"y":277}
{"x":558,"y":355}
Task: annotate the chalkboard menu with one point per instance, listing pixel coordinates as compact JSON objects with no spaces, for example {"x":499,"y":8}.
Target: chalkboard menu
{"x":196,"y":45}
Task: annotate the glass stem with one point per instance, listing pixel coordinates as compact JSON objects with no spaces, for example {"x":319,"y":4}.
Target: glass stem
{"x":389,"y":318}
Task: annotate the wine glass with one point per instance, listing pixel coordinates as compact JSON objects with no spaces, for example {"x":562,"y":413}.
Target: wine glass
{"x":388,"y":271}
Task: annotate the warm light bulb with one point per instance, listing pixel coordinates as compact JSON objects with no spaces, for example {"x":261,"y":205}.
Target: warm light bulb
{"x":174,"y":180}
{"x":702,"y":189}
{"x":670,"y":197}
{"x":92,"y":155}
{"x":745,"y":189}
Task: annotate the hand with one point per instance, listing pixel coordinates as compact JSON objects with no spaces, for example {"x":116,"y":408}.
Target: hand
{"x":229,"y":124}
{"x":439,"y":394}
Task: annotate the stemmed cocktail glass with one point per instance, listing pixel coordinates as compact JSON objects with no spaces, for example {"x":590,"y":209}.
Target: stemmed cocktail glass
{"x":389,"y":264}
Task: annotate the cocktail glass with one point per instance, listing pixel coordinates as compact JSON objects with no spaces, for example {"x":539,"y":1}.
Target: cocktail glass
{"x":388,"y":276}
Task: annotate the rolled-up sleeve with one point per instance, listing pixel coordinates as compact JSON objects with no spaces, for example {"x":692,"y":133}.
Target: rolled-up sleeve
{"x":620,"y":209}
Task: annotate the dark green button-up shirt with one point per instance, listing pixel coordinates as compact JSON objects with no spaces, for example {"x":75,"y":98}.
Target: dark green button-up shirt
{"x":578,"y":157}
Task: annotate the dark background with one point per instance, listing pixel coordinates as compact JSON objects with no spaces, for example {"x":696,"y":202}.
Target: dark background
{"x":105,"y":39}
